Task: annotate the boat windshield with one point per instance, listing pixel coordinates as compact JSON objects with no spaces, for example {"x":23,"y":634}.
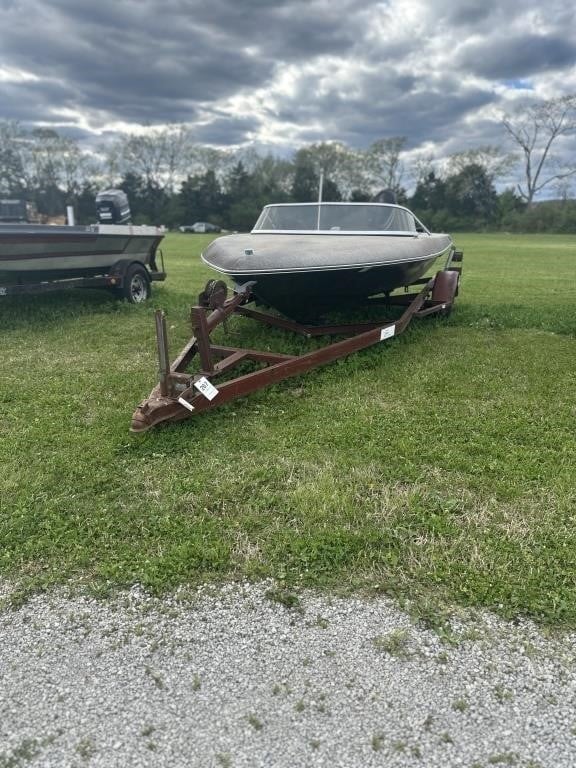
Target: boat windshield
{"x":335,"y":218}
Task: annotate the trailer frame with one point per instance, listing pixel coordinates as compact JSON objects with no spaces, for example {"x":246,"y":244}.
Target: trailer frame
{"x":116,"y":278}
{"x":181,"y":394}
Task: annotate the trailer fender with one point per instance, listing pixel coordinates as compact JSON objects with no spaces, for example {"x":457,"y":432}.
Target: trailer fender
{"x":445,"y":287}
{"x":120,"y":268}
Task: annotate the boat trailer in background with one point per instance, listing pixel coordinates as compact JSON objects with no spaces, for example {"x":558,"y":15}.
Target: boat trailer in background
{"x":181,"y":394}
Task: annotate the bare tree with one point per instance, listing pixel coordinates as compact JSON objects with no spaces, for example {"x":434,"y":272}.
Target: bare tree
{"x":383,"y":164}
{"x":111,"y":164}
{"x":12,"y":167}
{"x":564,"y":189}
{"x":422,"y":167}
{"x":75,"y":167}
{"x":144,"y":155}
{"x":535,"y":130}
{"x":39,"y":159}
{"x":270,"y":173}
{"x":491,"y":159}
{"x":161,"y":156}
{"x":335,"y":160}
{"x":177,"y":144}
{"x":203,"y":159}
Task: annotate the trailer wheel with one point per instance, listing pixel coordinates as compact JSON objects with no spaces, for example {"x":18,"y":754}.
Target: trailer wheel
{"x":136,"y":284}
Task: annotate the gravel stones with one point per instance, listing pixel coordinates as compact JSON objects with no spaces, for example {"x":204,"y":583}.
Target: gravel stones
{"x":229,"y":677}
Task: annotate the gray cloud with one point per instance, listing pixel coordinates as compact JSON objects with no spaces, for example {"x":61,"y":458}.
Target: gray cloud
{"x":351,"y":70}
{"x":516,"y":57}
{"x":31,"y":101}
{"x":226,"y":130}
{"x":386,"y":104}
{"x":468,"y":14}
{"x":122,"y":64}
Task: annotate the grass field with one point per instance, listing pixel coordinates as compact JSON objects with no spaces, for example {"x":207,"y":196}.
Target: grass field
{"x":438,"y":467}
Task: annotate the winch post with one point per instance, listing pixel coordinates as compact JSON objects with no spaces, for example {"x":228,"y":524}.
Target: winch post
{"x":163,"y":357}
{"x":202,"y":335}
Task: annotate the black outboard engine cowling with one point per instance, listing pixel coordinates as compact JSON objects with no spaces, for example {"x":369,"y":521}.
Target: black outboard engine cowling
{"x":385,"y":196}
{"x":13,"y":211}
{"x":112,"y":207}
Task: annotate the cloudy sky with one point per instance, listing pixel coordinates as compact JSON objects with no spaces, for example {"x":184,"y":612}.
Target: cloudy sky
{"x":277,"y":74}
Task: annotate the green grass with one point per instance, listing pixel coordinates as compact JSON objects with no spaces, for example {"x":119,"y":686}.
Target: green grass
{"x":438,"y":466}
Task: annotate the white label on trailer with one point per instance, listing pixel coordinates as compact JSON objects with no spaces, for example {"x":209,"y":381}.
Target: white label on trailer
{"x":3,"y":292}
{"x":206,"y":388}
{"x":387,"y":333}
{"x":185,"y":403}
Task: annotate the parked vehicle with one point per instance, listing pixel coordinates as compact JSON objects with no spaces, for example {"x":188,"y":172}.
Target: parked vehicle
{"x":200,"y":228}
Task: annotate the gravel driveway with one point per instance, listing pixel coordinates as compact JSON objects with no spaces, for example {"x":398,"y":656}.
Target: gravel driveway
{"x":229,"y":677}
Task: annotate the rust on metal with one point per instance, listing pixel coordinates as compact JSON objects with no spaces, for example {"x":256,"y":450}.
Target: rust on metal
{"x":214,"y":294}
{"x":180,"y":394}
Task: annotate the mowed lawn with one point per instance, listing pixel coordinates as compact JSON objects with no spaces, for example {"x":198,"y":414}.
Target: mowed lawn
{"x":438,"y":467}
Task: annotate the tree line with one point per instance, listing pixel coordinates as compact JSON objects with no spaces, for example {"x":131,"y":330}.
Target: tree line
{"x":172,"y":180}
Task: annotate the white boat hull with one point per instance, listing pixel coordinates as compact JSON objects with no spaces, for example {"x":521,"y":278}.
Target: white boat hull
{"x":34,"y":251}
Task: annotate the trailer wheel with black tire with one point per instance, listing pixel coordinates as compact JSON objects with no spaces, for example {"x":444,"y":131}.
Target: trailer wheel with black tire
{"x":136,"y":284}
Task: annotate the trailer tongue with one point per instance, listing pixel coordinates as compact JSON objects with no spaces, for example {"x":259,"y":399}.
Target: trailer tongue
{"x":181,"y":394}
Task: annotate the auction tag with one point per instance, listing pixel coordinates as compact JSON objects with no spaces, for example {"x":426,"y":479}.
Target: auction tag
{"x":387,"y":333}
{"x":206,"y":388}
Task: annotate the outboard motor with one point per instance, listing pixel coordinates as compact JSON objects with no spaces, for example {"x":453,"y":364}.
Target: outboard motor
{"x":112,"y":207}
{"x":13,"y":211}
{"x":385,"y":196}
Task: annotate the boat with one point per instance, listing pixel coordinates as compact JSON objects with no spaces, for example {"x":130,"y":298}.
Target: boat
{"x":32,"y":252}
{"x":112,"y":253}
{"x":36,"y":252}
{"x":308,"y":258}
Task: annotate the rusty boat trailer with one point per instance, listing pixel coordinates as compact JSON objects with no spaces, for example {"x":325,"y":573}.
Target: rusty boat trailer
{"x":180,"y":394}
